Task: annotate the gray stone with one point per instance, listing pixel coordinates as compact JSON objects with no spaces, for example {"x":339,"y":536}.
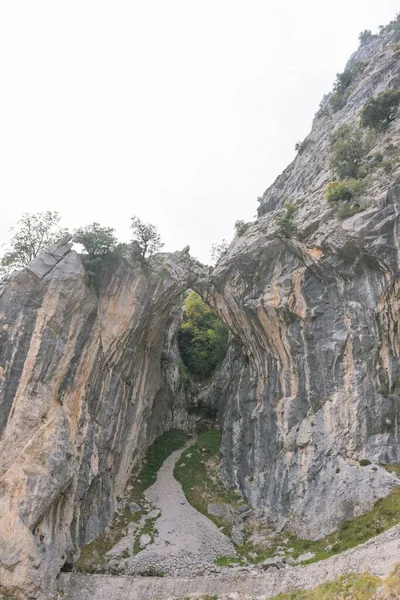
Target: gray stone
{"x":218,"y":510}
{"x":145,"y":540}
{"x":305,"y":556}
{"x":134,"y":508}
{"x":237,"y":536}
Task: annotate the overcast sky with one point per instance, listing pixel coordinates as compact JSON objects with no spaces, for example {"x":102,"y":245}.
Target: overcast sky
{"x":179,"y":111}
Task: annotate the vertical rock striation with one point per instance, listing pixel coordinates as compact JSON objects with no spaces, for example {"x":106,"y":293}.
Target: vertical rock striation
{"x":318,"y":388}
{"x":86,"y":385}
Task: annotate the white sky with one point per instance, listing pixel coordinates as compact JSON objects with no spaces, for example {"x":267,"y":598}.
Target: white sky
{"x":179,"y":111}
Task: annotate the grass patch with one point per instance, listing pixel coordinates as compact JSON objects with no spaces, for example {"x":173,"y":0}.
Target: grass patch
{"x":348,"y":587}
{"x":197,"y":472}
{"x":228,"y":561}
{"x":392,"y":469}
{"x":92,"y":558}
{"x":352,"y":532}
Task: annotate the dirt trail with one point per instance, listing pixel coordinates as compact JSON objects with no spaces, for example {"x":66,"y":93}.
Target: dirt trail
{"x":184,"y":539}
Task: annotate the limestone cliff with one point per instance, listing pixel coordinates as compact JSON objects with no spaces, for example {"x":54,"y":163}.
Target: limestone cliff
{"x":317,"y":316}
{"x":309,"y":388}
{"x":86,"y":385}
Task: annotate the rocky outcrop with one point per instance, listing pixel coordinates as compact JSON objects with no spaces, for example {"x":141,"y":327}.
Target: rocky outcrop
{"x":317,"y":388}
{"x":310,"y":386}
{"x":86,"y":385}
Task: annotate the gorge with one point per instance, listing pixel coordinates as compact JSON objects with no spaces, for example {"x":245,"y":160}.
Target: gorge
{"x":308,"y":395}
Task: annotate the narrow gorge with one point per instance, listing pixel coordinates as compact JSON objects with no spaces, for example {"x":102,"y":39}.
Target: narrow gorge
{"x":307,"y":398}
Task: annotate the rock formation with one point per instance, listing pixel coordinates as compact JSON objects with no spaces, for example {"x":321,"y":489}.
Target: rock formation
{"x":87,"y":383}
{"x":310,"y":386}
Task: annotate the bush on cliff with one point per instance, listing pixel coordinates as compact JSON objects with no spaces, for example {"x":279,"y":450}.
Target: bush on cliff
{"x":379,"y":112}
{"x":348,"y":148}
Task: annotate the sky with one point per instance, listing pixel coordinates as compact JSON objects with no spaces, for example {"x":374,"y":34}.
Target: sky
{"x":181,"y":112}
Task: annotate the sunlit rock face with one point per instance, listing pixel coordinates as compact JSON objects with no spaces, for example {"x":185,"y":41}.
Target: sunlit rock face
{"x":87,"y":383}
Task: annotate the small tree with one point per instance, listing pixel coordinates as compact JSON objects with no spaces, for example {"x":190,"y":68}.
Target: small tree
{"x":379,"y":112}
{"x":147,"y":236}
{"x":97,"y":241}
{"x":241,"y":227}
{"x":218,"y":249}
{"x":348,"y":149}
{"x":366,"y":36}
{"x":34,"y":232}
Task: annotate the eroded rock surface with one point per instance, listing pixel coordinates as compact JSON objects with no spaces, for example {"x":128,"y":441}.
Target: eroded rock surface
{"x":86,"y":385}
{"x":310,"y":386}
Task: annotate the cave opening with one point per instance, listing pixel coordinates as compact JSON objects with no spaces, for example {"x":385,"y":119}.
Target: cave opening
{"x":203,"y":339}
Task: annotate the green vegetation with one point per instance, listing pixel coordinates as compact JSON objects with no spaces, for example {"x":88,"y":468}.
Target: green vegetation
{"x":199,"y":476}
{"x":352,"y":532}
{"x":301,"y":147}
{"x":97,"y":241}
{"x":348,"y":587}
{"x":354,"y":586}
{"x":241,"y":227}
{"x":392,"y":469}
{"x":341,"y":87}
{"x":33,"y":233}
{"x":379,"y":112}
{"x":348,"y":149}
{"x":147,"y":236}
{"x":286,"y":226}
{"x":364,"y":462}
{"x":338,"y":191}
{"x":342,"y":192}
{"x":218,"y":249}
{"x":203,"y":338}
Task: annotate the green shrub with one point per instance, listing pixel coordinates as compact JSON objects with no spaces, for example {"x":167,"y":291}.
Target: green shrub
{"x":379,"y":112}
{"x":338,"y":190}
{"x":364,"y":462}
{"x":286,"y":227}
{"x":348,"y":148}
{"x":203,"y":338}
{"x":340,"y":90}
{"x":241,"y":227}
{"x":301,"y":147}
{"x":344,"y":191}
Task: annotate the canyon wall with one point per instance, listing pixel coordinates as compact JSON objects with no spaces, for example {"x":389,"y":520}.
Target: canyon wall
{"x":310,"y":386}
{"x":86,"y":384}
{"x":317,"y":387}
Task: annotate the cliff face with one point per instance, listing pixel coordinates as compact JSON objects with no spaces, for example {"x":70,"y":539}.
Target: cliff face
{"x":317,"y":316}
{"x":86,"y":385}
{"x":310,"y":385}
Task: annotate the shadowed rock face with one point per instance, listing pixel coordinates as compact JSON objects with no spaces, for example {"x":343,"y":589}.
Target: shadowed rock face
{"x":310,"y":385}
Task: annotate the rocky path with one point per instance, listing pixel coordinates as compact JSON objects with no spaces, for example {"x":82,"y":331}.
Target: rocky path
{"x":378,"y":556}
{"x":184,"y":539}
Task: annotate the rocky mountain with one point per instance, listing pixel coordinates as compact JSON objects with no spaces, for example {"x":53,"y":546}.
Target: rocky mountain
{"x":308,"y":395}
